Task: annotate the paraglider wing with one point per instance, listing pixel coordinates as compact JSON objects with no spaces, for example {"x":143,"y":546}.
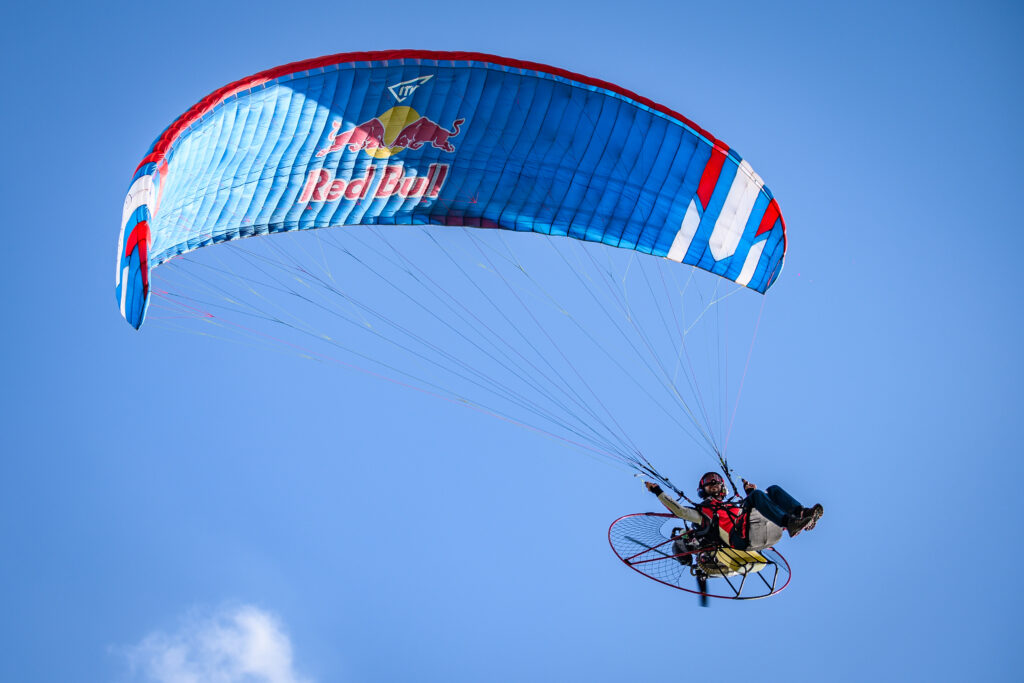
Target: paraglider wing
{"x":444,"y":138}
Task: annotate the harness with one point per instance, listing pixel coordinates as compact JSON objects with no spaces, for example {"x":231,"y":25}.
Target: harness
{"x":717,"y":512}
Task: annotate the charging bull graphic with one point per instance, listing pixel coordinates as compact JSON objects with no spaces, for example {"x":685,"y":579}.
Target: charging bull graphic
{"x":424,"y":130}
{"x":397,"y":129}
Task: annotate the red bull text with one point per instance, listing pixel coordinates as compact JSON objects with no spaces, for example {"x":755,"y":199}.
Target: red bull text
{"x":322,"y":186}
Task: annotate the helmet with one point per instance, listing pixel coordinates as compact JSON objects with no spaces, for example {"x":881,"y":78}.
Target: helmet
{"x":711,"y":478}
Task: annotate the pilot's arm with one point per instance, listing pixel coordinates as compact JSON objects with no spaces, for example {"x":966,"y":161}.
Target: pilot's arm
{"x":687,"y":513}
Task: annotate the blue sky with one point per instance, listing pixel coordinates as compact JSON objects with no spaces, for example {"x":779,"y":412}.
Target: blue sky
{"x":167,"y":493}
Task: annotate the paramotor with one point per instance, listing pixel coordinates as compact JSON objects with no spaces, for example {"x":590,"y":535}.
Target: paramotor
{"x":657,"y":545}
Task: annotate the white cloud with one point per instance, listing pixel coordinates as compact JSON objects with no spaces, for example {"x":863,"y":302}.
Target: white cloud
{"x":233,"y":645}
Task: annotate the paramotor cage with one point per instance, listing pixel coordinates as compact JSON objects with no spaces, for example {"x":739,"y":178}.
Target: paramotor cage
{"x":658,"y":545}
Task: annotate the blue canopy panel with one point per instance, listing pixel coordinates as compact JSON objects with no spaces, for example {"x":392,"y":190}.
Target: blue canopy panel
{"x":445,"y":138}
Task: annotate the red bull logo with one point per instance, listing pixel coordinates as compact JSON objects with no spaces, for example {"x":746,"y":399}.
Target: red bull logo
{"x":397,"y":129}
{"x":395,"y":180}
